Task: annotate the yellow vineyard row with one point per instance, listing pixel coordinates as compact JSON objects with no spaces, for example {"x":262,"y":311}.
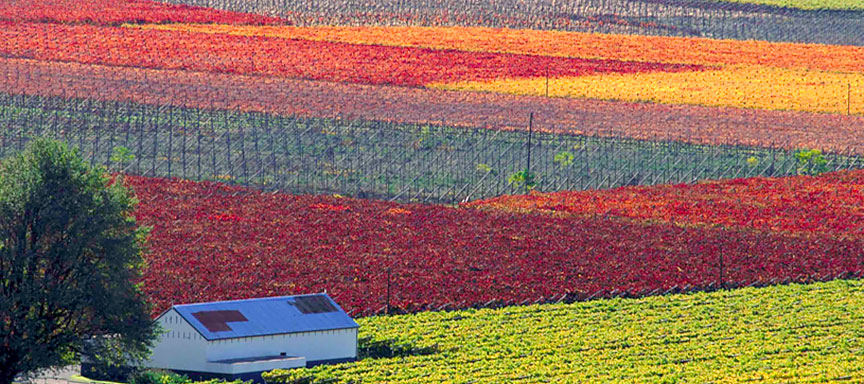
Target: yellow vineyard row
{"x":797,"y":333}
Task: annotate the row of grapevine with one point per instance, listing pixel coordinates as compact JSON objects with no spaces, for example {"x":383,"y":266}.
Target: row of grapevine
{"x":693,"y":124}
{"x":644,"y":17}
{"x":212,"y":241}
{"x":795,"y":333}
{"x":404,"y":162}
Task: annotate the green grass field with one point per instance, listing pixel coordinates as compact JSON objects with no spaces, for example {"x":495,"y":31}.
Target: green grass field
{"x":848,"y":5}
{"x":781,"y":334}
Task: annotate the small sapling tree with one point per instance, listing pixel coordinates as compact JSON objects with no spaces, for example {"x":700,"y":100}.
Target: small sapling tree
{"x":811,"y":162}
{"x":522,"y":179}
{"x":121,"y":156}
{"x":564,"y":158}
{"x":70,"y":253}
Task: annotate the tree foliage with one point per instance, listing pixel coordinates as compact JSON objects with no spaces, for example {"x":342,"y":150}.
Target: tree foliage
{"x":564,"y":158}
{"x":811,"y":162}
{"x":522,"y":179}
{"x":70,"y":253}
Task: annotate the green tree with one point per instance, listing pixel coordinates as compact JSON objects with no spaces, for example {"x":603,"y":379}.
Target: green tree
{"x":121,"y":156}
{"x":522,"y":179}
{"x":70,"y":253}
{"x":811,"y":162}
{"x":564,"y":158}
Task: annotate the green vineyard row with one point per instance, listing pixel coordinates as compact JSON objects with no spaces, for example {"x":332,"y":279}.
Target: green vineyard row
{"x":374,"y":159}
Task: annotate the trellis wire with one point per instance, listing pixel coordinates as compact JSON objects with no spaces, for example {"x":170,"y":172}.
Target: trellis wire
{"x":370,"y":159}
{"x":575,"y":297}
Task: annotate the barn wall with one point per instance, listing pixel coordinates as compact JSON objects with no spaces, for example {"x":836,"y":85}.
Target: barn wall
{"x":180,"y":347}
{"x":314,"y":346}
{"x":236,"y":368}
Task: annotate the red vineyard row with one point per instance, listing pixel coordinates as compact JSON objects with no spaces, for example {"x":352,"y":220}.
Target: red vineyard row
{"x":303,"y":59}
{"x":691,"y":124}
{"x":831,"y":204}
{"x":113,"y":12}
{"x":214,"y":242}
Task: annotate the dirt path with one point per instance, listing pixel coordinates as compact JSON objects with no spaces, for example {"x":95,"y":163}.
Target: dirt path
{"x":62,"y":375}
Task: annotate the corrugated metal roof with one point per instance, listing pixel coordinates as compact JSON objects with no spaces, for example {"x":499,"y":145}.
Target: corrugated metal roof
{"x":265,"y":316}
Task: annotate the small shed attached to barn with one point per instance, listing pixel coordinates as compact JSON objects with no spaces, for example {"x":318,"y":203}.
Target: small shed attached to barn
{"x":241,"y":339}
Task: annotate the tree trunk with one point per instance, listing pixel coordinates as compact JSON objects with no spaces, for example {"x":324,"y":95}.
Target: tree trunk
{"x":8,"y":373}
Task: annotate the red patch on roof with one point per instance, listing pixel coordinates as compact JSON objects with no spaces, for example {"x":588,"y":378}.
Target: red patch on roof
{"x":216,"y":321}
{"x":313,"y":304}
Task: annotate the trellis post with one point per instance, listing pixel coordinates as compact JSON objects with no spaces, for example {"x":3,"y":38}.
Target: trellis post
{"x":530,"y":133}
{"x":388,"y":292}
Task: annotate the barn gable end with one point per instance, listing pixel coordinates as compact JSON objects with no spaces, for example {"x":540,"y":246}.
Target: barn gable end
{"x":180,"y":345}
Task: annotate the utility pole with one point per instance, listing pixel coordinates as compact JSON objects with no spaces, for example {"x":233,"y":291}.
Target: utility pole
{"x":388,"y":291}
{"x":530,"y":133}
{"x":722,"y":282}
{"x":547,"y":79}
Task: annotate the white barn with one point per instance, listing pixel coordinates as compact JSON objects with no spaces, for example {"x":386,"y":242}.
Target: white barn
{"x":241,"y":339}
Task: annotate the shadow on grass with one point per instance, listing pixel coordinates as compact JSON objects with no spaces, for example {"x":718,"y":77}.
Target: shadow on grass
{"x":370,"y":348}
